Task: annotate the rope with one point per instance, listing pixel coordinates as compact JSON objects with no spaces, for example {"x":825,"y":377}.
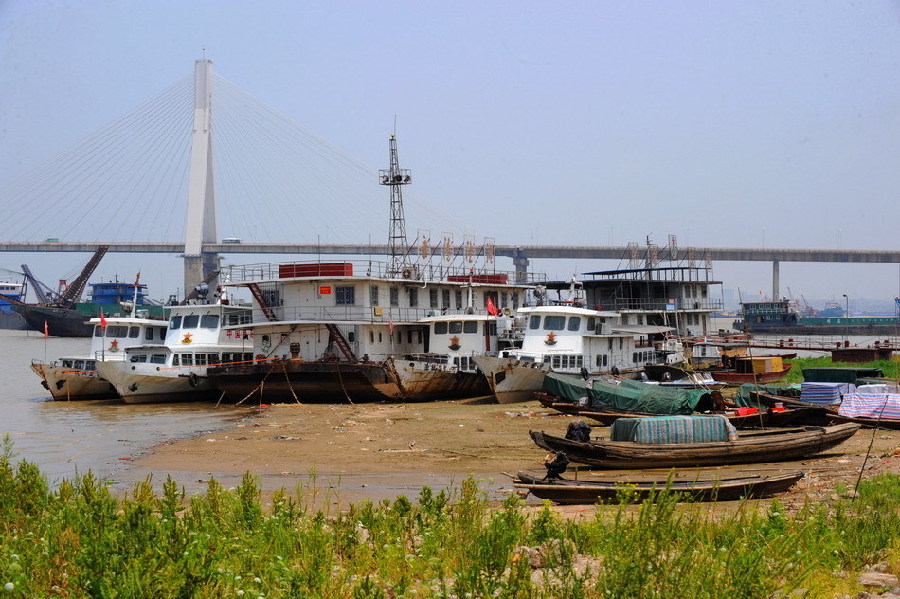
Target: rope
{"x":871,"y":443}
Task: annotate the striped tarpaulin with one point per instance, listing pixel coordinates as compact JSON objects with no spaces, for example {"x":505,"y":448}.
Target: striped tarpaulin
{"x":871,"y":405}
{"x":825,"y":393}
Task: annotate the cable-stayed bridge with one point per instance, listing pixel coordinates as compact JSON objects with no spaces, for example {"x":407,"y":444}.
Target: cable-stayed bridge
{"x":204,"y":156}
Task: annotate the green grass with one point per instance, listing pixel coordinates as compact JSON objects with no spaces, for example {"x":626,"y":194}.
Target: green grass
{"x":890,"y":368}
{"x":79,"y":540}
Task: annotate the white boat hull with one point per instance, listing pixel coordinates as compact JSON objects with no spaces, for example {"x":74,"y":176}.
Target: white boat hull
{"x":512,"y":381}
{"x":65,"y":383}
{"x":136,"y":386}
{"x":419,"y":381}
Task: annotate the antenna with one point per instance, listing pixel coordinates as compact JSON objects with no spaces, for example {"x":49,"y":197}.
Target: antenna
{"x":396,"y":178}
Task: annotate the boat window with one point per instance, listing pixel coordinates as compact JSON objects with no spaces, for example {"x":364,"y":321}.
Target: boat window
{"x":433,"y":297}
{"x":351,"y":336}
{"x":79,"y":365}
{"x":158,"y":359}
{"x":491,"y":328}
{"x":459,"y":299}
{"x":67,"y":363}
{"x":373,"y":295}
{"x":470,"y":326}
{"x":456,"y":327}
{"x":186,"y":360}
{"x":394,"y":295}
{"x":592,"y":323}
{"x":574,"y":323}
{"x":413,"y":296}
{"x":98,"y":332}
{"x":138,"y":358}
{"x":148,"y":333}
{"x":175,"y":322}
{"x":174,"y":359}
{"x":116,"y":331}
{"x":554,"y":323}
{"x":440,"y":328}
{"x":191,"y":321}
{"x":90,"y":365}
{"x":133,"y":332}
{"x":210,"y":321}
{"x":345,"y":295}
{"x":200,"y":359}
{"x":535,"y":322}
{"x":445,"y":298}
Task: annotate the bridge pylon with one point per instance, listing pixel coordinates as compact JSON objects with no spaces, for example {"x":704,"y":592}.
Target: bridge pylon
{"x":200,"y":223}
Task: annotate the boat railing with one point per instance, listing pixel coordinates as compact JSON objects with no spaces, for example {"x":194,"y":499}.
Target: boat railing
{"x":420,"y":271}
{"x":648,"y":304}
{"x":372,"y":314}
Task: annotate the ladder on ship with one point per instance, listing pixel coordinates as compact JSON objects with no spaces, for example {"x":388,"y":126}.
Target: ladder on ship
{"x":261,"y":300}
{"x":338,"y":338}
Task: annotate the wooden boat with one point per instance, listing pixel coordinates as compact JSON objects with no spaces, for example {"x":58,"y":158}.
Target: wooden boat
{"x":750,"y":447}
{"x":789,"y":416}
{"x":574,"y":492}
{"x":761,"y":369}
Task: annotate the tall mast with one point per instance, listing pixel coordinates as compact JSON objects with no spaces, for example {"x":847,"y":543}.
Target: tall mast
{"x":396,"y":178}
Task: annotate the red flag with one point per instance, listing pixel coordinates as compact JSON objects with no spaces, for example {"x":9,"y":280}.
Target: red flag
{"x":491,"y":308}
{"x":46,"y":329}
{"x":390,"y":327}
{"x":102,"y":321}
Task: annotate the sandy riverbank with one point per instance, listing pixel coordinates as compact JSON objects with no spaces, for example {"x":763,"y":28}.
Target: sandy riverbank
{"x":378,"y":451}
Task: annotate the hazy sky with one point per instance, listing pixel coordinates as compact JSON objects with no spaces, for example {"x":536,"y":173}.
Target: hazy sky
{"x":726,"y":123}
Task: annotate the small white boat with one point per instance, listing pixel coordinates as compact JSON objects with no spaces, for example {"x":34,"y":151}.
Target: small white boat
{"x":198,"y":337}
{"x":76,"y":377}
{"x":448,"y":369}
{"x":567,"y":337}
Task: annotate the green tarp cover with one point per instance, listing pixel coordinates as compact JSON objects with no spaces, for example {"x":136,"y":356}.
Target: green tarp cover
{"x":743,"y":399}
{"x":839,"y":375}
{"x":631,"y":396}
{"x":673,"y":429}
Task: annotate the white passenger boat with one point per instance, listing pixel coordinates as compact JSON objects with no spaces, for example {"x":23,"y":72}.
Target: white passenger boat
{"x":569,"y":338}
{"x":76,"y":377}
{"x":199,"y":336}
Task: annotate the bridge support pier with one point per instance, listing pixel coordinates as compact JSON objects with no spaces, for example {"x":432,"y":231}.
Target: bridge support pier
{"x":776,"y":282}
{"x":520,"y":262}
{"x":198,"y":269}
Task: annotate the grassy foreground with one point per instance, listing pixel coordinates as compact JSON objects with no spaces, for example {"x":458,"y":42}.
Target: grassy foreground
{"x":79,"y":540}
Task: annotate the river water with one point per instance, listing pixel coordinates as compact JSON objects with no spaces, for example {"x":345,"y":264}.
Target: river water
{"x":67,"y":438}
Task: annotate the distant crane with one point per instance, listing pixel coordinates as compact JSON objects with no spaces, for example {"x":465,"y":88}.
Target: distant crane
{"x":43,"y":293}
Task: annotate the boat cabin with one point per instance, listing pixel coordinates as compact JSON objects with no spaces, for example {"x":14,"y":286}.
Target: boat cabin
{"x":349,"y":311}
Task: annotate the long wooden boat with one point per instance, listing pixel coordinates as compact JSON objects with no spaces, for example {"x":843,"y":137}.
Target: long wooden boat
{"x":750,"y":447}
{"x":575,"y":492}
{"x":790,"y":416}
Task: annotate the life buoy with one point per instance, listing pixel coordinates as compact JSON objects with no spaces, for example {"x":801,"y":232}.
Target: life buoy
{"x":194,"y":380}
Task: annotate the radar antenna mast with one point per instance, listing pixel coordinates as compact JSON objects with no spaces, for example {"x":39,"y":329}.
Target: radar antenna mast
{"x":396,"y":178}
